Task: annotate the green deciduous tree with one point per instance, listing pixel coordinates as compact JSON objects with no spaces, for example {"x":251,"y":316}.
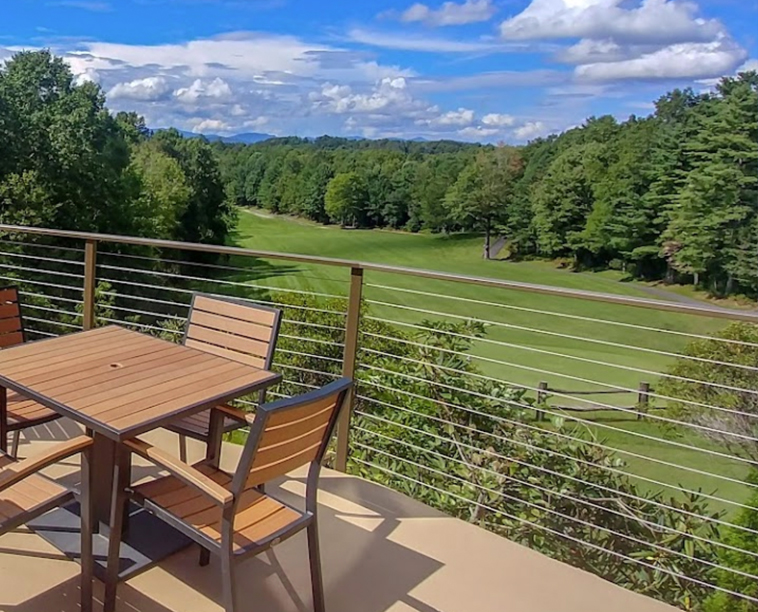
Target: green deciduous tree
{"x":481,"y":197}
{"x":346,"y":197}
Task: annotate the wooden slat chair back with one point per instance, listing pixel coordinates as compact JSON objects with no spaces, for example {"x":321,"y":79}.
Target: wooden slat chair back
{"x":288,"y":434}
{"x":11,"y":323}
{"x":231,"y":515}
{"x":17,"y":412}
{"x":234,"y":329}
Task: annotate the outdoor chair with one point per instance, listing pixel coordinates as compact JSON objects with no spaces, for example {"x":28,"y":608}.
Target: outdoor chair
{"x":18,"y":413}
{"x":229,"y":514}
{"x":26,"y":495}
{"x":233,"y":329}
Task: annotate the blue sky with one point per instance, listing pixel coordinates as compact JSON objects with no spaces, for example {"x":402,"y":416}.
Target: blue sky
{"x":489,"y":70}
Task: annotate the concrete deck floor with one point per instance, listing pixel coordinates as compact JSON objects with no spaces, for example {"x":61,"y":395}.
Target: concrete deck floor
{"x":382,"y":552}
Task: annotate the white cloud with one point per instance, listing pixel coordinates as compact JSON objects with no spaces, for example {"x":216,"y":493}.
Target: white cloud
{"x":423,"y":44}
{"x":649,"y":21}
{"x":217,"y":89}
{"x":147,"y":89}
{"x":390,"y":95}
{"x":600,"y":51}
{"x":208,"y":126}
{"x":477,"y":133}
{"x":750,"y":65}
{"x":450,"y":13}
{"x":497,"y":120}
{"x":680,"y":61}
{"x":530,"y":130}
{"x":458,"y":118}
{"x":630,"y":39}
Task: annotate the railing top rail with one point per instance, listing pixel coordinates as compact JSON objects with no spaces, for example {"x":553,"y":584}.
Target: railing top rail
{"x":651,"y":304}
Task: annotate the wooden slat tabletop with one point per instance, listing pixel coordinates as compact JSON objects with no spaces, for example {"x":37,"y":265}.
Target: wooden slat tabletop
{"x":121,"y":383}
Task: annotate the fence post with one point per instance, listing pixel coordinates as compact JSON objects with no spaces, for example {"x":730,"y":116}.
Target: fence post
{"x":90,"y":262}
{"x":643,"y":399}
{"x":541,"y":399}
{"x":348,"y":363}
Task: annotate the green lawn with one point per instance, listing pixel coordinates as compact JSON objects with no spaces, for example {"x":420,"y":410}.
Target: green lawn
{"x":525,"y":356}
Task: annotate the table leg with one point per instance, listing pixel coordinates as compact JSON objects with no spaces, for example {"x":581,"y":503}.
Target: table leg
{"x":103,"y":465}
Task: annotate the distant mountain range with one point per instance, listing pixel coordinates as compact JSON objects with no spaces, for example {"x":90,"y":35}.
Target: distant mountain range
{"x":253,"y":137}
{"x":246,"y":138}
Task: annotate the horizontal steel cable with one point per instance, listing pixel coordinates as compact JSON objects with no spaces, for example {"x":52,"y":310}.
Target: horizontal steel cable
{"x":191,"y":292}
{"x":647,"y":415}
{"x":553,"y":531}
{"x":564,"y":315}
{"x":49,"y":322}
{"x":569,"y":357}
{"x":29,"y":306}
{"x":218,"y":281}
{"x":533,"y":330}
{"x":630,"y":432}
{"x":653,"y":526}
{"x":563,"y":436}
{"x":573,"y":394}
{"x":39,"y":283}
{"x":50,"y":297}
{"x":37,"y":245}
{"x":198,"y":264}
{"x":38,"y":271}
{"x":38,"y":258}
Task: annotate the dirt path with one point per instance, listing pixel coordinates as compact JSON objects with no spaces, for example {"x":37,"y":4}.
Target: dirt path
{"x":671,"y":296}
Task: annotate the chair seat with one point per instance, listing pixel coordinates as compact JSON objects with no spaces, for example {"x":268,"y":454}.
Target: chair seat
{"x":259,"y":517}
{"x":199,"y":425}
{"x":28,"y":497}
{"x":24,"y":412}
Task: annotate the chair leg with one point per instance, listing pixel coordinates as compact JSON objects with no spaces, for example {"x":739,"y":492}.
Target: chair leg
{"x":228,"y":595}
{"x":118,"y":506}
{"x":314,"y":556}
{"x":205,"y":556}
{"x":87,"y":528}
{"x":183,"y":448}
{"x":15,"y":443}
{"x":3,"y":420}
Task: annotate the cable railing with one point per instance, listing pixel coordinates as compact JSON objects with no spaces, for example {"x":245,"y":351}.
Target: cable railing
{"x":610,"y":431}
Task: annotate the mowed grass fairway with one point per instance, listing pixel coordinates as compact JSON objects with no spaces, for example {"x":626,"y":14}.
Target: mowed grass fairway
{"x":525,"y":342}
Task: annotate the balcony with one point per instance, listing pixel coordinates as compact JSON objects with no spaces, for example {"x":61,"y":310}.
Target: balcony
{"x":381,"y":551}
{"x":495,"y":425}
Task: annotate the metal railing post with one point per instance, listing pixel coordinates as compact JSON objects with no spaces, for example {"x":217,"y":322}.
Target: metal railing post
{"x":348,"y":363}
{"x":90,"y":262}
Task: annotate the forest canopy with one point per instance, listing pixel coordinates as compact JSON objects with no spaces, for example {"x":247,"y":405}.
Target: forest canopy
{"x":670,"y":196}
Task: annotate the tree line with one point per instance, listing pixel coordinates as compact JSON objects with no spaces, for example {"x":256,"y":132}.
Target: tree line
{"x":671,"y":196}
{"x":66,"y":162}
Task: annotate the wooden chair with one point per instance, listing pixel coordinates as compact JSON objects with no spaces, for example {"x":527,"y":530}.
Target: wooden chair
{"x":229,"y":514}
{"x":19,"y":413}
{"x":234,"y":329}
{"x":26,"y":495}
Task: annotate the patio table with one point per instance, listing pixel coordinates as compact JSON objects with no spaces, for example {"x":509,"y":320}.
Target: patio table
{"x":118,"y":384}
